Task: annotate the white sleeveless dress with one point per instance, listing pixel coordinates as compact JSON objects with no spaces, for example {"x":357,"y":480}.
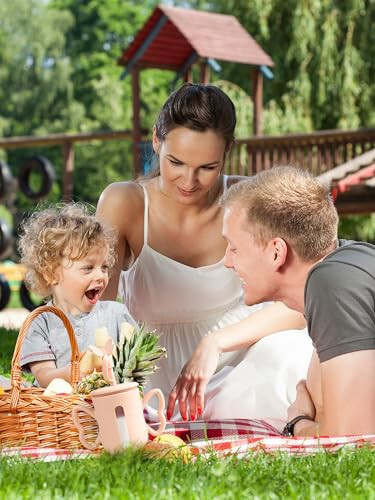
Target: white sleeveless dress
{"x":183,"y":304}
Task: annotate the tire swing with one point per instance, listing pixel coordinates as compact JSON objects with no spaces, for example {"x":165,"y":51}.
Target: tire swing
{"x":26,"y":299}
{"x":36,"y":164}
{"x":4,"y":292}
{"x":7,"y":182}
{"x":5,"y":238}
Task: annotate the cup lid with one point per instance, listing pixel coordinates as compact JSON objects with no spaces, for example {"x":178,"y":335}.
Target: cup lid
{"x":113,"y":389}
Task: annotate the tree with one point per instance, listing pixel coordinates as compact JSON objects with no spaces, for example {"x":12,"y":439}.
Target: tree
{"x":36,"y":92}
{"x":324,"y":54}
{"x":94,"y":43}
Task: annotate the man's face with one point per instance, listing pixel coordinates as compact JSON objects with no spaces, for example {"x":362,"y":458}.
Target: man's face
{"x":252,"y":262}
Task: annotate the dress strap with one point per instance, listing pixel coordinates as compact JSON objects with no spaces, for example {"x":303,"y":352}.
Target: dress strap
{"x":145,"y":216}
{"x":225,"y":183}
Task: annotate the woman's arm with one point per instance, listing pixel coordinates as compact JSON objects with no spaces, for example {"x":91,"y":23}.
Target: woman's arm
{"x":270,"y":319}
{"x":116,"y":207}
{"x":191,"y":383}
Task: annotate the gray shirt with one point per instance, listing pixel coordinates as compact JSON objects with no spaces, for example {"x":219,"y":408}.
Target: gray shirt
{"x":47,"y":338}
{"x":340,"y":300}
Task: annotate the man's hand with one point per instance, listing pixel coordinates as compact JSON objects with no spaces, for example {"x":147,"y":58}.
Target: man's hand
{"x":303,"y":405}
{"x":192,"y":381}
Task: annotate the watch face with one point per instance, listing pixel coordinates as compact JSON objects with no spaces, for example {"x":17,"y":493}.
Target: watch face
{"x":287,"y":431}
{"x":289,"y":427}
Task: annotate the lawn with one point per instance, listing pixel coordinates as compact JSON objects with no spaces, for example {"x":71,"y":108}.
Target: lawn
{"x":346,"y":474}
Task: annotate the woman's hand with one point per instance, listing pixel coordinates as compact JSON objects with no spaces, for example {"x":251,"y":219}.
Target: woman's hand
{"x":192,"y":381}
{"x":303,"y":405}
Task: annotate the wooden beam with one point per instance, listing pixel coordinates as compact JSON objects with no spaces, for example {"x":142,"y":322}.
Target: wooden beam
{"x":49,"y":140}
{"x":356,"y":206}
{"x":205,"y":72}
{"x":68,"y":170}
{"x":144,"y":46}
{"x":137,"y":135}
{"x":185,"y":70}
{"x":257,"y":84}
{"x":188,"y":76}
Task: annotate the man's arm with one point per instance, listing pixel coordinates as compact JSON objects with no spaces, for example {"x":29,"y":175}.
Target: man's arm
{"x":348,"y":392}
{"x":339,"y":307}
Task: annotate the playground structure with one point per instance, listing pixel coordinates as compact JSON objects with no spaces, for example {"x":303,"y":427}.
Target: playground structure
{"x":180,"y":39}
{"x":11,"y":274}
{"x":177,"y":39}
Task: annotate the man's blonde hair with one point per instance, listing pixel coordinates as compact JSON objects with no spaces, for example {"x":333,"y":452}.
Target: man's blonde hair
{"x":48,"y":236}
{"x":289,"y":203}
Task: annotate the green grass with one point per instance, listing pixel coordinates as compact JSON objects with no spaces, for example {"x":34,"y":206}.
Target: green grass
{"x":129,"y":475}
{"x":7,"y":342}
{"x":346,"y":474}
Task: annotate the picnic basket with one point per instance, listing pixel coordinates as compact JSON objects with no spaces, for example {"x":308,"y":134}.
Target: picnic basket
{"x":27,"y":418}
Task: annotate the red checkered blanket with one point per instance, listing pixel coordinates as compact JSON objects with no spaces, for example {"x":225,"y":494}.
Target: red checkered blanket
{"x":223,"y":437}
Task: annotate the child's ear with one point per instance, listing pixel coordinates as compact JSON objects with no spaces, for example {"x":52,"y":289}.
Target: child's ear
{"x":51,"y":278}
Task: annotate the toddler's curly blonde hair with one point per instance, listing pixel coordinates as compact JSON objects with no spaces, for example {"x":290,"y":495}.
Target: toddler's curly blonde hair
{"x":48,"y":236}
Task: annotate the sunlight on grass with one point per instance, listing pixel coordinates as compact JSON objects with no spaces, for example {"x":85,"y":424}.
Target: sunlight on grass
{"x":346,"y":474}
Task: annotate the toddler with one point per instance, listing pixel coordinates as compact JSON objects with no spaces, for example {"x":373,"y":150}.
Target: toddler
{"x":68,"y":255}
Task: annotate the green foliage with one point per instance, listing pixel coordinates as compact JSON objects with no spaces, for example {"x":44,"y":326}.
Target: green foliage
{"x":7,"y":342}
{"x":324,"y":61}
{"x":358,"y":227}
{"x":35,"y":74}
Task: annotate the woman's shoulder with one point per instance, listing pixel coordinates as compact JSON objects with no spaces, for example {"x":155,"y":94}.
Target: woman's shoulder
{"x":121,"y":198}
{"x":121,"y":192}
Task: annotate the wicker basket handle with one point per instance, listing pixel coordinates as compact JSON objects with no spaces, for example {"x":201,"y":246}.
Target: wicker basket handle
{"x":16,"y":368}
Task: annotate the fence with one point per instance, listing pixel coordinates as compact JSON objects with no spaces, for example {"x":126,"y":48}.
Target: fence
{"x":316,"y":151}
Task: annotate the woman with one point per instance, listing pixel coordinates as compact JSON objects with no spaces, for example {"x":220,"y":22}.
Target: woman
{"x":170,"y":272}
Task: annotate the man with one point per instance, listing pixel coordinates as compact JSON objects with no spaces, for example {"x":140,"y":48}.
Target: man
{"x":281,"y":230}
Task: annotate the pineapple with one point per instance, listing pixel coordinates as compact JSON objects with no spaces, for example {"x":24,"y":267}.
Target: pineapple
{"x":91,"y":382}
{"x":136,"y":354}
{"x":134,"y":358}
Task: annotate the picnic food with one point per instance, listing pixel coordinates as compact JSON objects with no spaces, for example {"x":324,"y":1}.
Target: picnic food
{"x":91,"y":382}
{"x":169,"y":447}
{"x":136,"y":354}
{"x":89,"y":360}
{"x":58,"y":386}
{"x":101,"y":336}
{"x":134,"y":358}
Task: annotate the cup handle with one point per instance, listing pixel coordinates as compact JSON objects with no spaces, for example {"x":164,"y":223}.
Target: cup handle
{"x":77,"y":423}
{"x":147,"y":397}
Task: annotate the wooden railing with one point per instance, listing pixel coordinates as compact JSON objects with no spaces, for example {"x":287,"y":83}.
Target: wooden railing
{"x":66,"y":141}
{"x":317,"y":151}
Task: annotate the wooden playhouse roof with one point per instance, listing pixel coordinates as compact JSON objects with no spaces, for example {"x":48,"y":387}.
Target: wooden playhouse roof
{"x":173,"y":36}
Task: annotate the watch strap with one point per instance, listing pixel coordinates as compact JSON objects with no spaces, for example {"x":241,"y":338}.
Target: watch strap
{"x":289,"y":427}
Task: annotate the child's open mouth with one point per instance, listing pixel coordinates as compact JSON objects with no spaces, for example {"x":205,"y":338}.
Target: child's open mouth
{"x":93,"y":295}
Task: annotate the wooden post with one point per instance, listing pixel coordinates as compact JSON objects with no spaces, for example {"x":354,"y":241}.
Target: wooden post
{"x":136,"y":132}
{"x":205,"y":73}
{"x":188,"y":76}
{"x":68,"y":169}
{"x":257,"y":100}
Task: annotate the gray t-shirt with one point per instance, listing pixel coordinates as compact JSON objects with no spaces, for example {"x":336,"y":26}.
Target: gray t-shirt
{"x":340,"y":300}
{"x":47,"y":338}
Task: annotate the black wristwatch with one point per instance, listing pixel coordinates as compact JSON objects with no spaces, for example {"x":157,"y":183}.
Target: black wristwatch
{"x":289,"y":427}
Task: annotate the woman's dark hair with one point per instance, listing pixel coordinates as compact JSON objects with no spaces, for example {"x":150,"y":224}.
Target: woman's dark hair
{"x":197,"y":107}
